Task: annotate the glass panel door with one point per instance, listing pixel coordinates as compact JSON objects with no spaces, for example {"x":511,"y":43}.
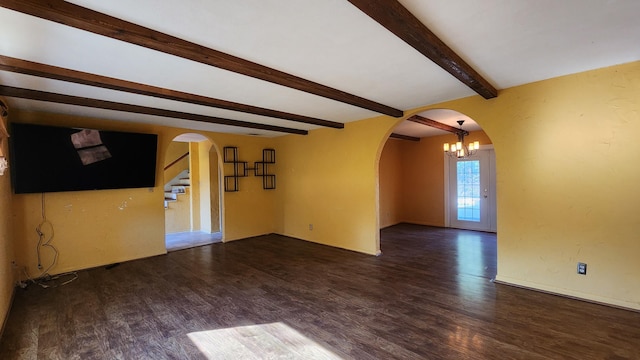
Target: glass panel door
{"x":468,"y":184}
{"x":471,"y":200}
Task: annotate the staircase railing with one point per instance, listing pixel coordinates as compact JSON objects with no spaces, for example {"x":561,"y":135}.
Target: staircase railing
{"x":176,"y":160}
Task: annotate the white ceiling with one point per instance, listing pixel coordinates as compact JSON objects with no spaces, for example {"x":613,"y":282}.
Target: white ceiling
{"x":509,"y":42}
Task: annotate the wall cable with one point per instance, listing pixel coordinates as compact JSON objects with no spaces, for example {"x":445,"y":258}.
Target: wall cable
{"x":45,"y":280}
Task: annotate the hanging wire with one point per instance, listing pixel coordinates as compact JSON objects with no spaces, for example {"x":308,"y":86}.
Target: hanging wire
{"x":47,"y":243}
{"x":45,"y":279}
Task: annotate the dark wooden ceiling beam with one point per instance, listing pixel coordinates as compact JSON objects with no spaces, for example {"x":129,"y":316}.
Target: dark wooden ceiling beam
{"x":434,"y":124}
{"x":53,"y":72}
{"x":404,"y":137}
{"x":397,"y":19}
{"x":86,"y":19}
{"x":10,"y":91}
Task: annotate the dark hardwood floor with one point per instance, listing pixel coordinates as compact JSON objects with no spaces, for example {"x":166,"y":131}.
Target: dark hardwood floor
{"x":429,"y":296}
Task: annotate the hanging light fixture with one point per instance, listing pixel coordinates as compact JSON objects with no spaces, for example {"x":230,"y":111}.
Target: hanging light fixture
{"x":459,"y":149}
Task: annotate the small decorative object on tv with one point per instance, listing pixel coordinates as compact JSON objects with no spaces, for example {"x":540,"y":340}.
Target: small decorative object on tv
{"x":3,"y":165}
{"x":4,"y":112}
{"x":52,"y":159}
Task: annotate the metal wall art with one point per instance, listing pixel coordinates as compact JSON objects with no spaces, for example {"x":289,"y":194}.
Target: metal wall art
{"x":241,"y":169}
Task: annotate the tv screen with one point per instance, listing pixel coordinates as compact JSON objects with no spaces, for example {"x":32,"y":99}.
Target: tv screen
{"x":52,"y":159}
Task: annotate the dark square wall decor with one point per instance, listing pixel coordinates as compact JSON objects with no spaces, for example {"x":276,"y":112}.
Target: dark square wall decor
{"x":241,"y":169}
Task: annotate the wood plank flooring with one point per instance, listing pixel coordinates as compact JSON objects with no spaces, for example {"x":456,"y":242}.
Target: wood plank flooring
{"x":429,"y":296}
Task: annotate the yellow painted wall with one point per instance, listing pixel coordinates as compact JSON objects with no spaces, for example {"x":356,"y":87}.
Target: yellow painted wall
{"x":422,"y":178}
{"x":391,"y":180}
{"x":194,"y":193}
{"x":214,"y":200}
{"x":330,"y":179}
{"x":204,"y":186}
{"x":91,"y":228}
{"x":565,"y":151}
{"x":567,"y":182}
{"x":7,"y":279}
{"x":254,"y":206}
{"x":177,"y":215}
{"x":423,"y":182}
{"x":94,"y":228}
{"x":174,"y":151}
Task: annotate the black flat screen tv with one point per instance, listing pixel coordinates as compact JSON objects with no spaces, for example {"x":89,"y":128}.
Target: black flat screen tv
{"x":52,"y":159}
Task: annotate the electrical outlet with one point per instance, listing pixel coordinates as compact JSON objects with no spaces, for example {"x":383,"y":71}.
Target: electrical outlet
{"x":582,"y":268}
{"x":310,"y":227}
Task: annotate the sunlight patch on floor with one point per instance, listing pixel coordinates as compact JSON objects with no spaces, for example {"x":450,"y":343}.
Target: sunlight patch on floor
{"x":272,"y":341}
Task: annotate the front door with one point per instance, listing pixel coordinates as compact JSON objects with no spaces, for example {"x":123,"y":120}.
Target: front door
{"x":471,"y":196}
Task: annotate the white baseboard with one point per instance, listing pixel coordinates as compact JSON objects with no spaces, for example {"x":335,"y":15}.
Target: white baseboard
{"x":601,"y":300}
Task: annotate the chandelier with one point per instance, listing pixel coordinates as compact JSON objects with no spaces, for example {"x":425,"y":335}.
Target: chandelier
{"x":459,"y":149}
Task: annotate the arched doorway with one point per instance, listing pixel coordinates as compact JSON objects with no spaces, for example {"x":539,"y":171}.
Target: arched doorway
{"x":192,"y":193}
{"x":416,"y":184}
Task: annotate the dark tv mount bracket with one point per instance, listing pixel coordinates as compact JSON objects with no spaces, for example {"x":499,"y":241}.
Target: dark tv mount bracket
{"x":241,"y":169}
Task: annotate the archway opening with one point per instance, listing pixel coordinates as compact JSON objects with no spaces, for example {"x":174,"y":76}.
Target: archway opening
{"x":414,"y":176}
{"x":192,"y":193}
{"x":419,"y":183}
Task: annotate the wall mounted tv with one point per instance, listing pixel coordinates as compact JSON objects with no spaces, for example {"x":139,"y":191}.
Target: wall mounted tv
{"x":52,"y":159}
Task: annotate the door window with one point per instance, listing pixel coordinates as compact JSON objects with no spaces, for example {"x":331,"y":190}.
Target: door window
{"x":468,"y":178}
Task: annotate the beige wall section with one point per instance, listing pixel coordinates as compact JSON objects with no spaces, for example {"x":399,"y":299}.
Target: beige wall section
{"x":7,"y":278}
{"x":567,"y":178}
{"x":94,"y":228}
{"x":330,"y":179}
